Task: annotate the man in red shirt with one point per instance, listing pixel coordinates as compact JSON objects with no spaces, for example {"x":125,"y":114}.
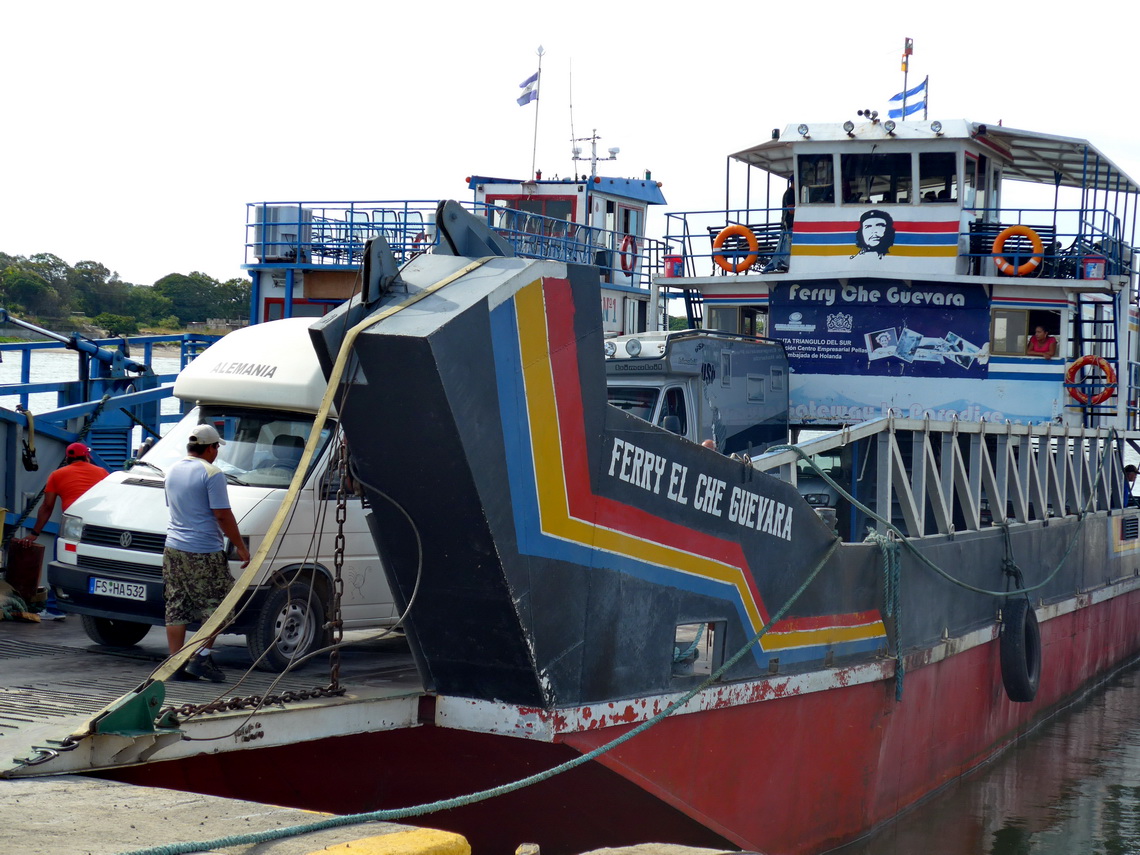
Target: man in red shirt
{"x":77,"y":475}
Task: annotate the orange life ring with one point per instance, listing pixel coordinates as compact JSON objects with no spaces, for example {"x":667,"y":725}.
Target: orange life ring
{"x":753,"y":249}
{"x":1109,"y":380}
{"x":1028,"y":267}
{"x":628,"y":254}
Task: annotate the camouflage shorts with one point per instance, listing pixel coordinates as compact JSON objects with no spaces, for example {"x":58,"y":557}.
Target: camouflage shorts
{"x":196,"y":582}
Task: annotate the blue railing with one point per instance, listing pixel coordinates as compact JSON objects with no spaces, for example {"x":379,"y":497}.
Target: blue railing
{"x":101,"y":396}
{"x":334,"y":234}
{"x":1076,"y":243}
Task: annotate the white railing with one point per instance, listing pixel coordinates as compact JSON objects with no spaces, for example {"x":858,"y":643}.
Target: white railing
{"x":937,"y":477}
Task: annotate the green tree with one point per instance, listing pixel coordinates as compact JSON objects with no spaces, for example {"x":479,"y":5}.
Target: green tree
{"x":233,"y":298}
{"x":197,"y":297}
{"x":28,"y":290}
{"x":189,"y":294}
{"x":98,"y":289}
{"x":116,"y":324}
{"x":148,"y":306}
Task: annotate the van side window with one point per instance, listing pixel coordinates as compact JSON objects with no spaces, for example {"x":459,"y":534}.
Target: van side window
{"x":673,"y":416}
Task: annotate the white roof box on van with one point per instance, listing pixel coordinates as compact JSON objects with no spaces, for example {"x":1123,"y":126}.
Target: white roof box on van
{"x":265,"y":365}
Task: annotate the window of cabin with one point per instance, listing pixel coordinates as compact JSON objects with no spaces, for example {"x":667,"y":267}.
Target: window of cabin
{"x":981,"y":183}
{"x":1011,"y":328}
{"x":674,"y":406}
{"x":511,"y":213}
{"x":630,"y":220}
{"x":938,"y":176}
{"x":817,"y":179}
{"x":876,"y":178}
{"x":730,"y":319}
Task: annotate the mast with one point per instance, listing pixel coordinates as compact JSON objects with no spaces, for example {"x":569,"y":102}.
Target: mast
{"x":908,"y":49}
{"x":538,"y":103}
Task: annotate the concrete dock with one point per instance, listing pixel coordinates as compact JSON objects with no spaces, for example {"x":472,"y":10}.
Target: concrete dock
{"x":75,"y":815}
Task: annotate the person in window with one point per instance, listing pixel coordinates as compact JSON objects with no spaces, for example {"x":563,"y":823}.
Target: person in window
{"x":1041,"y":344}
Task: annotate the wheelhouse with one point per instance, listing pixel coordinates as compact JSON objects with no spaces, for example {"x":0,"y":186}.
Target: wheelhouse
{"x":923,"y":251}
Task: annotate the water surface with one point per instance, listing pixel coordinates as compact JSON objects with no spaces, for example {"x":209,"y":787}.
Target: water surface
{"x":1072,"y":787}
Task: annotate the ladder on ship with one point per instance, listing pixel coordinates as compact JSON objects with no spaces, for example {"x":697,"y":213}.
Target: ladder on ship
{"x":694,"y":308}
{"x":1095,"y":334}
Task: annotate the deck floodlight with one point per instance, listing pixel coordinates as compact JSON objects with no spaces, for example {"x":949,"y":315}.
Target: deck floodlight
{"x":849,"y":127}
{"x":633,"y":347}
{"x":803,"y":130}
{"x":889,"y":124}
{"x":610,"y":348}
{"x":936,"y":126}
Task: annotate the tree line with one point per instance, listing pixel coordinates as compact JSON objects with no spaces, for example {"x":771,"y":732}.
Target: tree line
{"x":47,"y":287}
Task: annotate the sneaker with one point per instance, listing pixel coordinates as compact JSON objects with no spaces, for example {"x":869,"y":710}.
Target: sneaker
{"x":52,"y":614}
{"x":206,"y":668}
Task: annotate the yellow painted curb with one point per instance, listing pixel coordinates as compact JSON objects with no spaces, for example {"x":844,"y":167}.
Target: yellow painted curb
{"x":415,"y":841}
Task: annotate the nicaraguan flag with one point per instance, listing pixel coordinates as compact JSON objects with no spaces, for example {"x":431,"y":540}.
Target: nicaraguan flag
{"x":529,"y":89}
{"x":911,"y":109}
{"x":920,"y":89}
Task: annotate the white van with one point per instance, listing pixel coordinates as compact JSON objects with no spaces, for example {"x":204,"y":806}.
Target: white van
{"x":260,"y":387}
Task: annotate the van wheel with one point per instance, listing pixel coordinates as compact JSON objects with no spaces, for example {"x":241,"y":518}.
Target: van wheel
{"x":114,"y":633}
{"x":289,"y":626}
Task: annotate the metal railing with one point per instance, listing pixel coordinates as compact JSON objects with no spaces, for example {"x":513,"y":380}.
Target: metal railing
{"x":1077,"y":243}
{"x":935,"y":478}
{"x":335,"y":234}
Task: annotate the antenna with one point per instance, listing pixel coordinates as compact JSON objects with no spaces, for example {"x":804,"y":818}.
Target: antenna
{"x":593,"y":158}
{"x":574,"y":150}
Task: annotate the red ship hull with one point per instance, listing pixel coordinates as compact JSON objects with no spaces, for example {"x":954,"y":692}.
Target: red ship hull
{"x":794,"y":774}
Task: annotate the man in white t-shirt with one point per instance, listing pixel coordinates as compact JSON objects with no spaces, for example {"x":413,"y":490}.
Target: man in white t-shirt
{"x":194,"y":565}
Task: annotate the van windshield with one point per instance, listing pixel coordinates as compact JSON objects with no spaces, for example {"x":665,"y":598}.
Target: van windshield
{"x":263,"y":447}
{"x":638,"y":401}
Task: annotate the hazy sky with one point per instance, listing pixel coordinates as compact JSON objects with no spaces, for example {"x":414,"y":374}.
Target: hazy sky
{"x":135,"y":132}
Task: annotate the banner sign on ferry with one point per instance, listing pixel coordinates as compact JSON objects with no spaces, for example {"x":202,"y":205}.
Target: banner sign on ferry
{"x":882,"y":327}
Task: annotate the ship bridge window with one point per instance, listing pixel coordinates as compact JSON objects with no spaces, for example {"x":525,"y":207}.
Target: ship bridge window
{"x":511,"y":213}
{"x":817,"y":178}
{"x":938,"y":176}
{"x":876,"y":178}
{"x":1011,"y":329}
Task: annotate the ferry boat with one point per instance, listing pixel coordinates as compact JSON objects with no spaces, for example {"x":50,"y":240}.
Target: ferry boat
{"x":778,"y":649}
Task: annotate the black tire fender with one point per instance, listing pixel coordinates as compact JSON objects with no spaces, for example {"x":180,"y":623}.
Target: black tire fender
{"x":1020,"y":650}
{"x":113,"y":632}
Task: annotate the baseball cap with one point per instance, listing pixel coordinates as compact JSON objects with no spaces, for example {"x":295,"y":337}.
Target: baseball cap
{"x":78,"y":449}
{"x":206,"y":435}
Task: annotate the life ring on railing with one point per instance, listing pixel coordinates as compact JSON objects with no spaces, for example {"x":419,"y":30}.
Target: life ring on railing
{"x":1109,"y":380}
{"x":628,"y":254}
{"x":419,"y":242}
{"x":1029,"y":266}
{"x":1020,"y":650}
{"x":753,"y":249}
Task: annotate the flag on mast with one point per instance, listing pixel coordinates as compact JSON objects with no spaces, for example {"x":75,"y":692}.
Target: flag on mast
{"x":910,"y":109}
{"x":529,"y":89}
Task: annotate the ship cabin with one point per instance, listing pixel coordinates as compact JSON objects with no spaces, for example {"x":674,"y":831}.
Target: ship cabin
{"x":902,"y":263}
{"x":304,"y":257}
{"x":589,"y":220}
